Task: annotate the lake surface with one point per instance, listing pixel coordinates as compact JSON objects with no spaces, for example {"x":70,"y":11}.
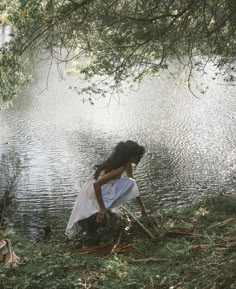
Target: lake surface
{"x":190,"y":143}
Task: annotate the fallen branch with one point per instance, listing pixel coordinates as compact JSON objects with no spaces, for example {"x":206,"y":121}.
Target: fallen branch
{"x":228,"y":196}
{"x":180,"y":233}
{"x":139,"y":223}
{"x":222,"y":224}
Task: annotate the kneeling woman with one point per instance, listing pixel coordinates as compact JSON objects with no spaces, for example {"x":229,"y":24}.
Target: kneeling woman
{"x":107,"y":188}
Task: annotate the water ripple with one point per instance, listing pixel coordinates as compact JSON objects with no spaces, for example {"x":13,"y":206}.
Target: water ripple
{"x":190,"y":144}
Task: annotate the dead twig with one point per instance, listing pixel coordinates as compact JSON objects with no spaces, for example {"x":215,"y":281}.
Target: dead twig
{"x":172,"y":251}
{"x":149,"y":233}
{"x":114,"y":248}
{"x":151,"y":259}
{"x":182,"y":233}
{"x":222,"y":224}
{"x":228,"y":196}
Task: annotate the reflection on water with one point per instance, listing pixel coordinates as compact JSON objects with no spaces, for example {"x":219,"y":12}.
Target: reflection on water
{"x":190,"y":143}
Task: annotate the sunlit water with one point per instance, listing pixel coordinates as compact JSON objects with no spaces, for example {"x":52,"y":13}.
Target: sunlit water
{"x":190,"y":143}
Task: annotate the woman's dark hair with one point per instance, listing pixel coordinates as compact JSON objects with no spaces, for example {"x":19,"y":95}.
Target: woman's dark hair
{"x":120,"y":156}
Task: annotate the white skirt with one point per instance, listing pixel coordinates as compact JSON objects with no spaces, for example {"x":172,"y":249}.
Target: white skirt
{"x":114,"y":193}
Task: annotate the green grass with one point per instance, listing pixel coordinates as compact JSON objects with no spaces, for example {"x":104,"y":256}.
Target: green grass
{"x":204,"y":260}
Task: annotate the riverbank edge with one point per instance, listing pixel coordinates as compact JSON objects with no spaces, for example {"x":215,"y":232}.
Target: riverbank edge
{"x":193,"y":248}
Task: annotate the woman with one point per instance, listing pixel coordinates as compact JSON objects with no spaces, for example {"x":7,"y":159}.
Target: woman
{"x":107,"y":188}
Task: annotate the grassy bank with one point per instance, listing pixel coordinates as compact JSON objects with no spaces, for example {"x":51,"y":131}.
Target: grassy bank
{"x":193,"y":248}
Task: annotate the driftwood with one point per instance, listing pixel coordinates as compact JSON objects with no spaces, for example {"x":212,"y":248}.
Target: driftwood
{"x":148,"y":232}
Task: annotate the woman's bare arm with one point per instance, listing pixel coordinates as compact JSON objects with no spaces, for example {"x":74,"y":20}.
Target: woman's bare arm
{"x":129,"y":173}
{"x":98,"y":192}
{"x":142,"y":207}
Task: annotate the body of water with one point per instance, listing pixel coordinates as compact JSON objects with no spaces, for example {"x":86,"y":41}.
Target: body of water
{"x":190,"y":142}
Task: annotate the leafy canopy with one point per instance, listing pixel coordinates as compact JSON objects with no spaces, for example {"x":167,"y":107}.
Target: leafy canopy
{"x":124,"y":39}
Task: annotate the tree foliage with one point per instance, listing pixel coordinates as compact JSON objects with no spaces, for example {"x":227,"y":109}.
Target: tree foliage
{"x":123,"y":38}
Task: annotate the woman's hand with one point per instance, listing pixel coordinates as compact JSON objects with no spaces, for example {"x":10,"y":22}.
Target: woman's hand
{"x":98,"y":190}
{"x":101,"y":215}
